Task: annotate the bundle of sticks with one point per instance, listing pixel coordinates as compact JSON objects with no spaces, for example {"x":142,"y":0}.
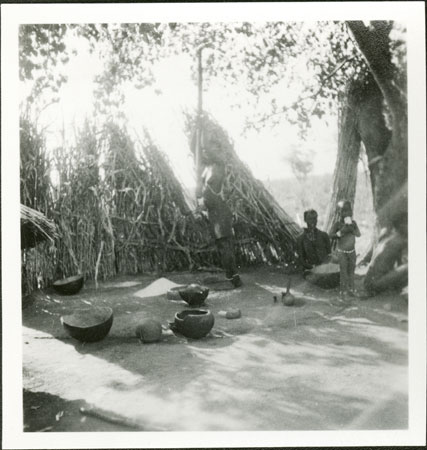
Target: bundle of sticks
{"x":35,"y":228}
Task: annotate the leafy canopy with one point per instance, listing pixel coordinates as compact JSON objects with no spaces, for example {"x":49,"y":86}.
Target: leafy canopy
{"x":293,"y":70}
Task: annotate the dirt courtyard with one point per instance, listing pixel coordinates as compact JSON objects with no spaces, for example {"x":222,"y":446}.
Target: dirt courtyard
{"x":313,"y":366}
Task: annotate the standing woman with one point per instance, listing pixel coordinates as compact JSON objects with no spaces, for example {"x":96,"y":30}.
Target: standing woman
{"x":219,"y":214}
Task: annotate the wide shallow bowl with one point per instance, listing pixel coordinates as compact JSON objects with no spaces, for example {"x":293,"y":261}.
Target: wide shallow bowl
{"x":89,"y":324}
{"x":193,"y":294}
{"x":69,"y":286}
{"x":326,"y":276}
{"x":194,"y":323}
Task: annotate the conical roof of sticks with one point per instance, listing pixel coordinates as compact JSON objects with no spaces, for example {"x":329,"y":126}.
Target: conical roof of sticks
{"x":264,"y":231}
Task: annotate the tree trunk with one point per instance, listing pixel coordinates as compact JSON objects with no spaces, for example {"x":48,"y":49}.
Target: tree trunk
{"x":345,"y":173}
{"x":392,"y":170}
{"x":363,"y":120}
{"x":382,"y":274}
{"x":390,"y":184}
{"x":368,"y":102}
{"x":374,"y":43}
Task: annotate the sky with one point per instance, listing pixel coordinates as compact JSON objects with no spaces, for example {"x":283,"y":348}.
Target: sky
{"x":159,"y":108}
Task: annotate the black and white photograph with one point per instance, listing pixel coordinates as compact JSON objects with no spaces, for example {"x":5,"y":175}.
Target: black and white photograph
{"x":213,"y":220}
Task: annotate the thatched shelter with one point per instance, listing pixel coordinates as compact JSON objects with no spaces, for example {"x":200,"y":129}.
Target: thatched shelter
{"x":35,"y":228}
{"x":118,"y":208}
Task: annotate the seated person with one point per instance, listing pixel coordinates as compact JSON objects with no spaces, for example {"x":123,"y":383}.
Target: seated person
{"x":313,"y":245}
{"x":314,"y":250}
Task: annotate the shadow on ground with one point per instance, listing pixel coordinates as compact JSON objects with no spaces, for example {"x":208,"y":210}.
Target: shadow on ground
{"x":315,"y":366}
{"x":45,"y":412}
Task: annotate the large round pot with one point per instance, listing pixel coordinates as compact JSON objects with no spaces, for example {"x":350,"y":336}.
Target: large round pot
{"x":69,"y":286}
{"x":194,"y":323}
{"x":193,"y":294}
{"x":89,"y":324}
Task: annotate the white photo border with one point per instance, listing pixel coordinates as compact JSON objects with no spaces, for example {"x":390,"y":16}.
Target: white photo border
{"x":410,"y":13}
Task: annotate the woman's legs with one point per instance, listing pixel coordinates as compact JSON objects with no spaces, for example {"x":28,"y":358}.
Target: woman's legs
{"x":351,"y":266}
{"x":225,"y":247}
{"x":344,"y":271}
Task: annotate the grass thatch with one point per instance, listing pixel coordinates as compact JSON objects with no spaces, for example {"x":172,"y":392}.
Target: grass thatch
{"x":35,"y":228}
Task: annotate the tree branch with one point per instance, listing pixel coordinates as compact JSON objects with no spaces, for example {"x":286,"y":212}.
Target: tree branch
{"x":312,"y":95}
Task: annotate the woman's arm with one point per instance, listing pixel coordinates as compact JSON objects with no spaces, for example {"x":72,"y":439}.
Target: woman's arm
{"x":350,"y":228}
{"x":356,"y":230}
{"x":335,"y":229}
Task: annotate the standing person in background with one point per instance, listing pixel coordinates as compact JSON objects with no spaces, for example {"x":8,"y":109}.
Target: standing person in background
{"x":219,"y":214}
{"x":345,"y":231}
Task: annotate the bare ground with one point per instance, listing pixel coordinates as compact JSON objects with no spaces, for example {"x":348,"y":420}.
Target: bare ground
{"x":314,"y":366}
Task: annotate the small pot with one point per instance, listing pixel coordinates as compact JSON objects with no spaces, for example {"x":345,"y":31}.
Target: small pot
{"x":89,"y":324}
{"x":193,"y":323}
{"x":69,"y":286}
{"x":193,"y":294}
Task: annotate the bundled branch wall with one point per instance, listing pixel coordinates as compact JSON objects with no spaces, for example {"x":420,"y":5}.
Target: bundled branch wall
{"x":119,"y":209}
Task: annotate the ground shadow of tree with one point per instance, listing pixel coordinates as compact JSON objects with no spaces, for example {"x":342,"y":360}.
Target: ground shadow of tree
{"x":264,"y":371}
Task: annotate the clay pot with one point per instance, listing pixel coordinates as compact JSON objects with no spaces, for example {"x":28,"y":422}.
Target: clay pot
{"x":193,"y":323}
{"x":69,"y":286}
{"x":194,"y":294}
{"x":288,"y":300}
{"x":173,"y":293}
{"x":232,"y":313}
{"x":89,"y":324}
{"x":149,"y":330}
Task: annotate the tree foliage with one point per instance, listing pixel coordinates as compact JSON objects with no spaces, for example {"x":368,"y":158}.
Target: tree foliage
{"x":294,"y":70}
{"x":41,"y":48}
{"x":129,"y":52}
{"x":301,"y":163}
{"x":269,"y":59}
{"x":289,"y":71}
